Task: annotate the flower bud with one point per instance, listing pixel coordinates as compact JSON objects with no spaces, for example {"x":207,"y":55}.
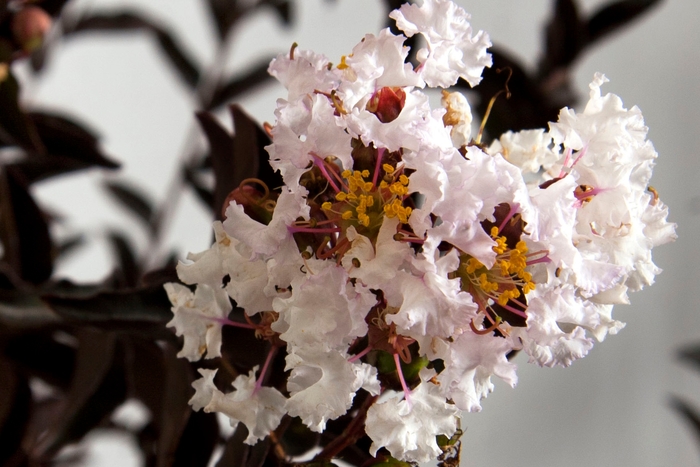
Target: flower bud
{"x":29,"y":26}
{"x":387,"y":103}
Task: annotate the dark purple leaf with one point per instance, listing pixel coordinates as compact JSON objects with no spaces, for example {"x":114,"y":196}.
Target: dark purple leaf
{"x":69,"y":245}
{"x":159,"y":277}
{"x":128,"y":271}
{"x":132,"y":199}
{"x":134,"y":21}
{"x":97,"y":388}
{"x":14,"y":412}
{"x":255,"y":76}
{"x":52,"y":7}
{"x":203,"y":193}
{"x":614,"y":15}
{"x":189,"y":72}
{"x":223,"y":158}
{"x":23,"y":311}
{"x":15,"y":127}
{"x":527,"y":107}
{"x":225,"y":13}
{"x":23,"y":231}
{"x":198,"y":440}
{"x":566,"y":36}
{"x":235,"y":452}
{"x":39,"y":354}
{"x":691,"y":355}
{"x":176,"y":411}
{"x":68,"y":147}
{"x":691,"y":415}
{"x":284,"y":9}
{"x":146,"y":309}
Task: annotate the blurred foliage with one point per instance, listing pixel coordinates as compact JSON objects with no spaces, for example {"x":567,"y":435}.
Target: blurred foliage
{"x":98,"y":345}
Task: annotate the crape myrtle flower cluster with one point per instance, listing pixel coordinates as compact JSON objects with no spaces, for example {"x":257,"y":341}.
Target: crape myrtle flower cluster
{"x":396,"y":234}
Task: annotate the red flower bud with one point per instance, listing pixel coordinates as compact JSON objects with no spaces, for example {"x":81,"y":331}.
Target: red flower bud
{"x":387,"y":104}
{"x":29,"y":26}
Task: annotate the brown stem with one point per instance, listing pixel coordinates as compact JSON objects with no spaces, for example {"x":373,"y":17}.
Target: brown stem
{"x":354,"y":431}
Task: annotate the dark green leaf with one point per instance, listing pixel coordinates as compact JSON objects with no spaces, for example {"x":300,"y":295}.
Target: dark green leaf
{"x":130,"y":21}
{"x":132,"y":199}
{"x":15,"y":127}
{"x":147,"y":308}
{"x":128,"y":271}
{"x":14,"y":411}
{"x":255,"y":76}
{"x":691,"y":415}
{"x":615,"y":15}
{"x":97,"y":388}
{"x":24,"y":231}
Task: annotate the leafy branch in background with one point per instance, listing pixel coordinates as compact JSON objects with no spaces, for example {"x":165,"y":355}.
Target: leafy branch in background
{"x":97,"y":345}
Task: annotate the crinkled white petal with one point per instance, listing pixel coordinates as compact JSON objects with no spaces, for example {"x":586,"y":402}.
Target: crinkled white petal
{"x":203,"y":389}
{"x":322,"y":385}
{"x":267,"y":239}
{"x":198,"y":318}
{"x":471,"y":362}
{"x":408,"y":429}
{"x":259,"y":410}
{"x":530,"y":150}
{"x":303,"y":74}
{"x":452,"y":51}
{"x":376,"y":62}
{"x":324,"y":310}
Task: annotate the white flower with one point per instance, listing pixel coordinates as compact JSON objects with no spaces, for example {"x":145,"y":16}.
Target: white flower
{"x":203,"y":389}
{"x":376,"y":62}
{"x":612,"y":167}
{"x":452,"y":51}
{"x":322,"y":385}
{"x":303,"y":74}
{"x":408,"y":428}
{"x":260,"y":409}
{"x":530,"y":150}
{"x":198,"y":317}
{"x":324,"y":310}
{"x":267,"y":239}
{"x":469,"y":365}
{"x":306,"y":128}
{"x":458,"y":117}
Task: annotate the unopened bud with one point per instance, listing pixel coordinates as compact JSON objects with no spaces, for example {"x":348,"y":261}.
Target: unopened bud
{"x":29,"y":26}
{"x":387,"y":104}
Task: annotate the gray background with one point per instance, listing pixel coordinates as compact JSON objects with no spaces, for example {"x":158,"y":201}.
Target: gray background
{"x":609,"y":409}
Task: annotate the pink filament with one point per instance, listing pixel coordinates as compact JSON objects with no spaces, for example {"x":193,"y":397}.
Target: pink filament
{"x":406,"y":391}
{"x":258,"y":382}
{"x":360,"y":355}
